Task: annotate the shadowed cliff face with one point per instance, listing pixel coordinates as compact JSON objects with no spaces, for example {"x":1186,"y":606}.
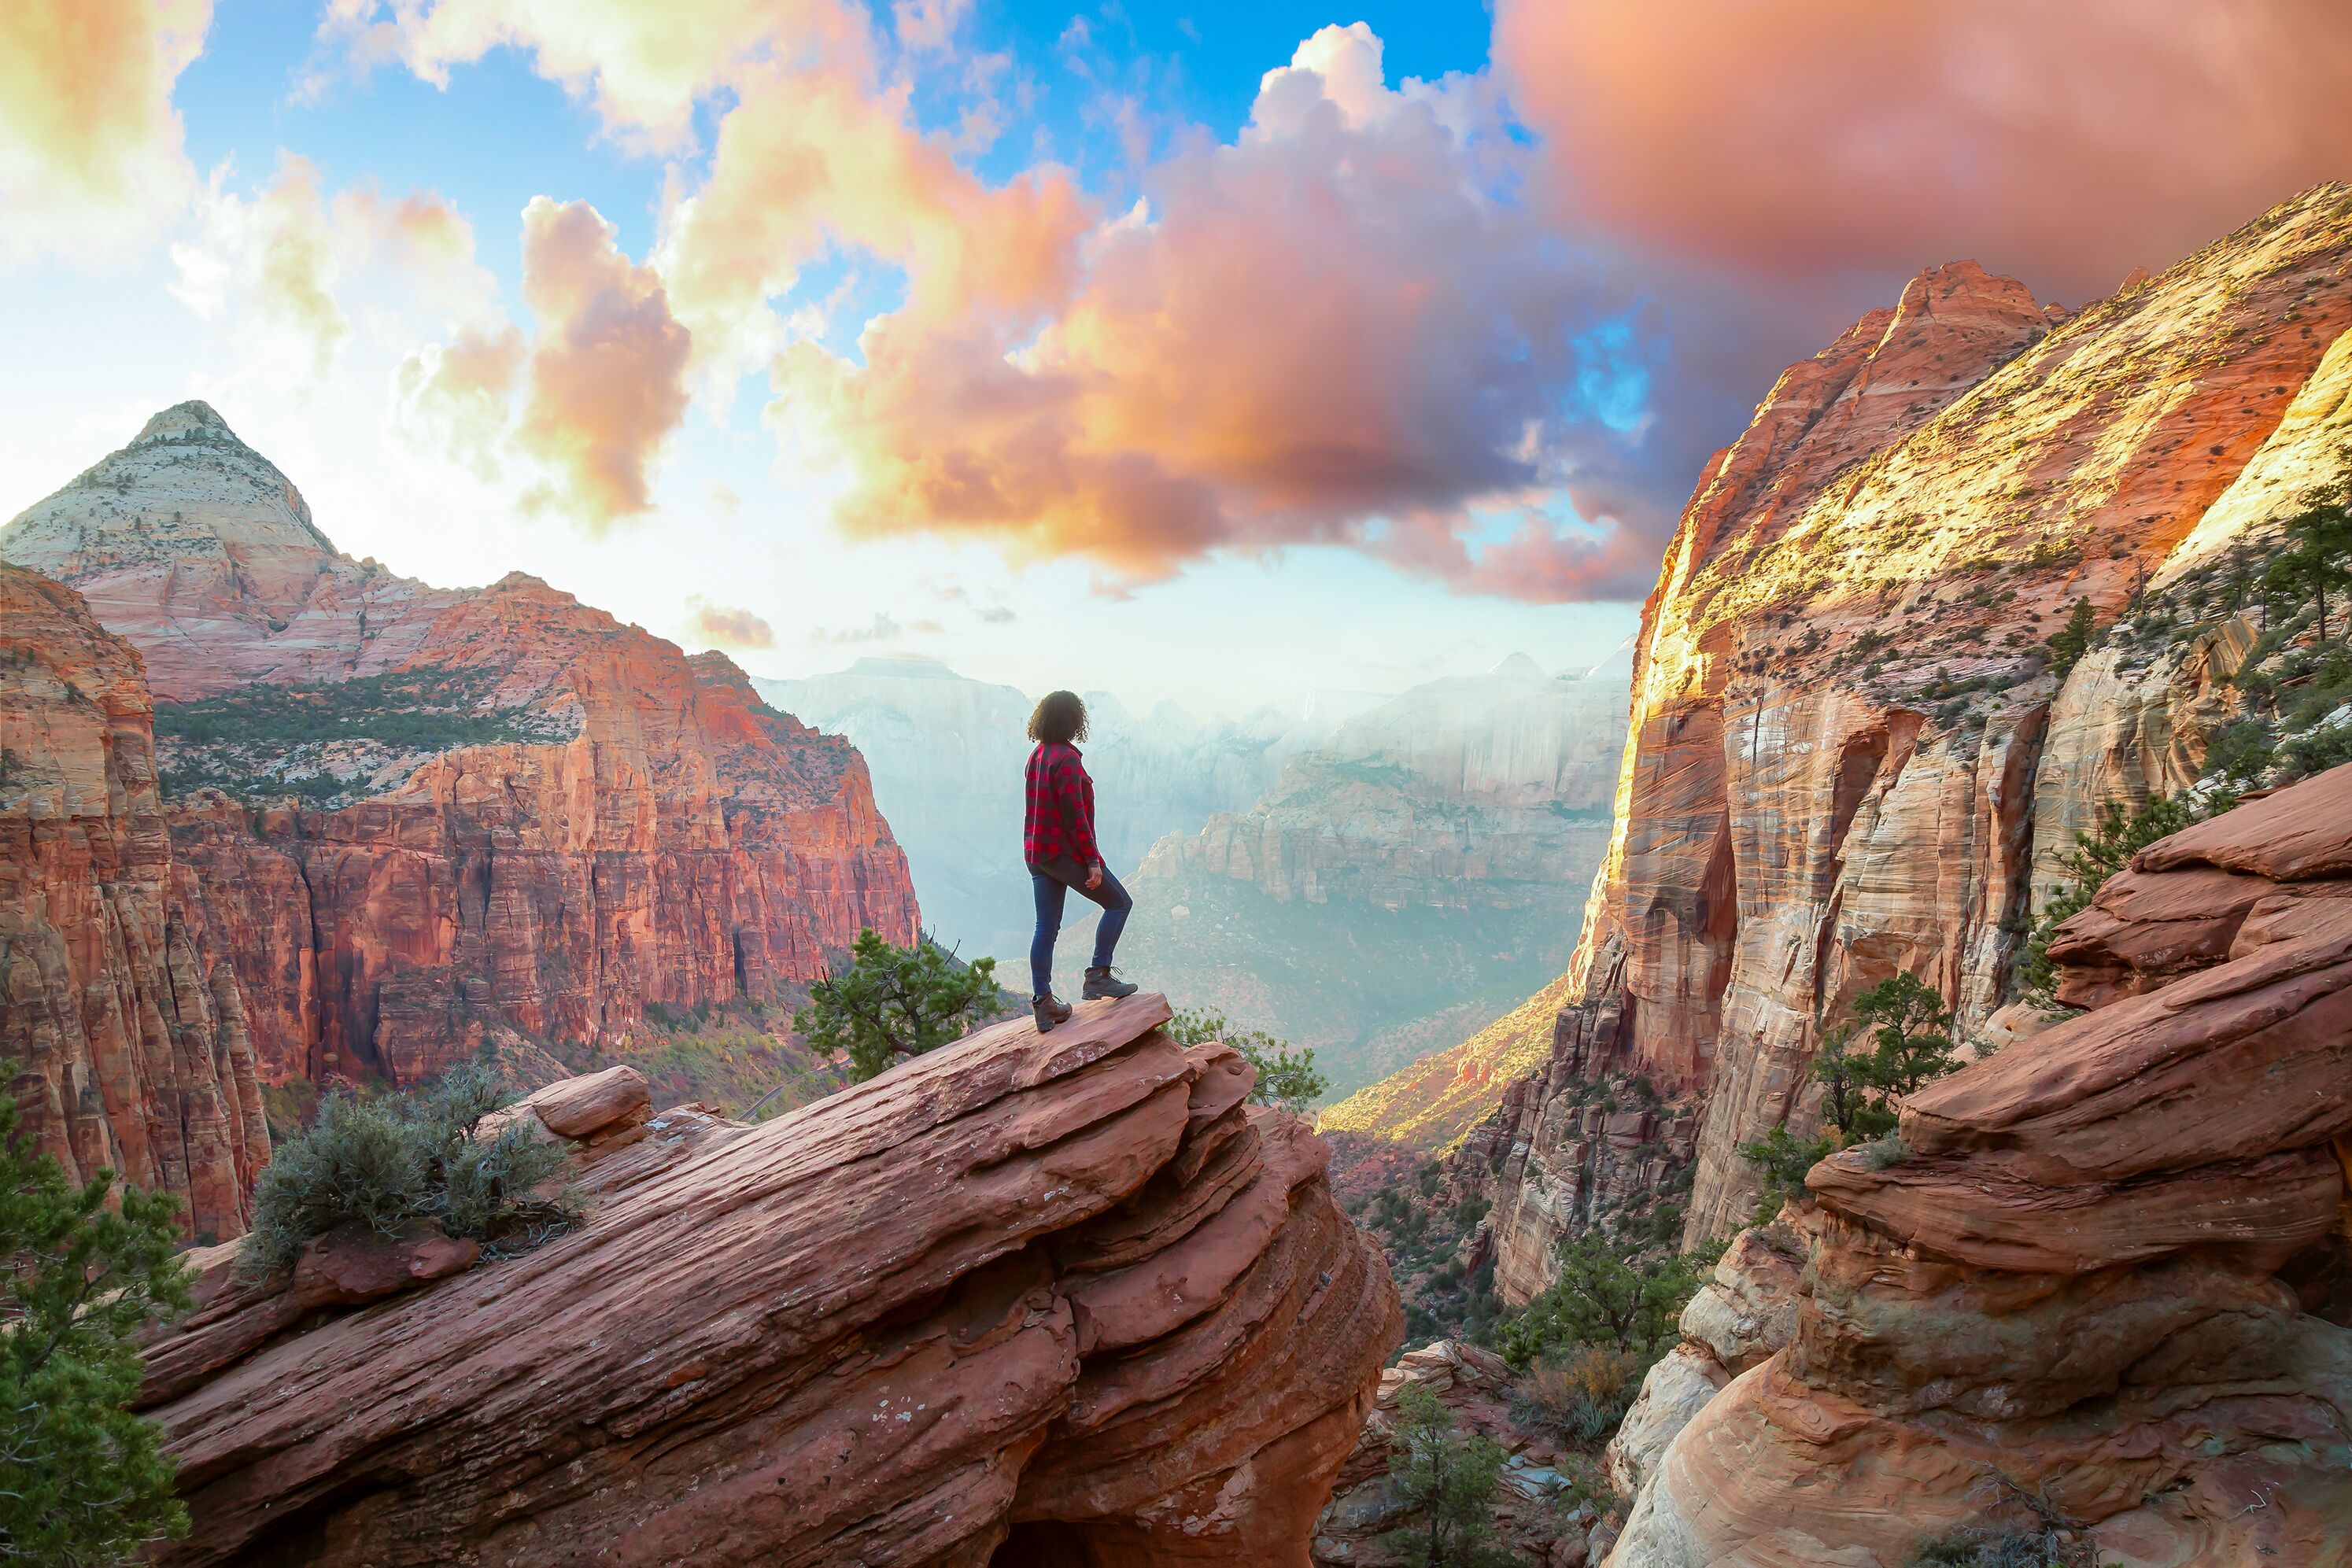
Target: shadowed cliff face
{"x":1847,"y":756}
{"x":524,"y":821}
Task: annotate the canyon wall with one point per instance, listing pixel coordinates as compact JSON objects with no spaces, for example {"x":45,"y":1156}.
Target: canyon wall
{"x":2101,"y":1282}
{"x":410,"y":822}
{"x":1850,"y":755}
{"x":122,"y":1027}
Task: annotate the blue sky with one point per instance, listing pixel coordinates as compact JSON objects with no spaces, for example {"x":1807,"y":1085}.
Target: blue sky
{"x":1219,"y":353}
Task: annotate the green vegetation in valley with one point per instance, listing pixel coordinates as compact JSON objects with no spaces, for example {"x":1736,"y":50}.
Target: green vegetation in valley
{"x":86,"y":1269}
{"x":1446,"y":1481}
{"x":2120,"y":833}
{"x":1287,"y":1079}
{"x":1898,"y":1038}
{"x":388,"y":1161}
{"x":892,"y":1004}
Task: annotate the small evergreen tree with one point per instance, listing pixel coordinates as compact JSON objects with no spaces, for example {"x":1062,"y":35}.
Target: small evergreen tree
{"x":1604,"y":1297}
{"x":893,"y":1004}
{"x":82,"y":1479}
{"x":1448,"y":1482}
{"x":2120,"y":833}
{"x":2318,"y":559}
{"x":1287,"y":1079}
{"x":2072,"y":640}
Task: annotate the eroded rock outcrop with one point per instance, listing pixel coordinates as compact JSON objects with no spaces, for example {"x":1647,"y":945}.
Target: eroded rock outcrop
{"x":1057,"y":1300}
{"x":482,"y":813}
{"x":2105,"y":1278}
{"x":1850,"y":756}
{"x":120,"y":1017}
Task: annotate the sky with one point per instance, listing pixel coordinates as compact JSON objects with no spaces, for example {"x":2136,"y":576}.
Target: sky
{"x":1211,"y":351}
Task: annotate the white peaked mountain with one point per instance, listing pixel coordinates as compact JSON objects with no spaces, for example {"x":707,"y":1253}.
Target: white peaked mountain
{"x":947,"y":754}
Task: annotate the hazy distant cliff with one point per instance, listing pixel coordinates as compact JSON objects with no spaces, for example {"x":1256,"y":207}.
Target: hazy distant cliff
{"x":1402,"y":882}
{"x":459,"y":815}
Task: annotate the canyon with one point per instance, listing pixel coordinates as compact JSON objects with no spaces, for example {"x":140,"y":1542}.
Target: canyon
{"x":1406,"y":880}
{"x":1852,"y":753}
{"x":461,"y":819}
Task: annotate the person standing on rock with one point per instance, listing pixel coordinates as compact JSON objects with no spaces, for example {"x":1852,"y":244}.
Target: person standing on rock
{"x":1058,"y":842}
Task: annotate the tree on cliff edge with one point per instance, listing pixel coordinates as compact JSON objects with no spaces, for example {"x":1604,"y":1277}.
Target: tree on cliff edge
{"x":895,"y":1003}
{"x":81,"y":1478}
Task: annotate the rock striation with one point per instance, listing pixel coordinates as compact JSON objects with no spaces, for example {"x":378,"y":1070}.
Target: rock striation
{"x":452,"y":817}
{"x":2105,"y":1278}
{"x":1123,"y":1321}
{"x":122,"y":1020}
{"x":1851,"y":752}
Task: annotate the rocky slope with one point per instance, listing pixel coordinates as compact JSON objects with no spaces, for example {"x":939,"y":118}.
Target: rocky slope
{"x":462,"y":818}
{"x":121,"y":1021}
{"x":1405,"y":882}
{"x":1849,"y":756}
{"x":947,"y":754}
{"x":1125,"y":1325}
{"x":2104,"y":1283}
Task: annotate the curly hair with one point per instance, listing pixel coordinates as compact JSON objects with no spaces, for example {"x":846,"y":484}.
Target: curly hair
{"x":1060,"y":720}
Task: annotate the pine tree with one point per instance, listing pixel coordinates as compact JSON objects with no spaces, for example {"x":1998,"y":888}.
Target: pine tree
{"x":2070,"y":643}
{"x":82,"y":1479}
{"x":1448,"y":1481}
{"x":893,"y":1004}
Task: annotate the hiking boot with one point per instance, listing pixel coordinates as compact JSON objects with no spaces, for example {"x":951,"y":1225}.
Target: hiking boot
{"x":1049,"y":1011}
{"x":1100,"y":985}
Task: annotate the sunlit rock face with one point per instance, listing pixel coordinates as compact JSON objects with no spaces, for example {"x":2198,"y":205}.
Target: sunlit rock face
{"x":947,"y":754}
{"x":458,"y":816}
{"x":1403,"y":883}
{"x":2106,"y":1278}
{"x":1847,"y":757}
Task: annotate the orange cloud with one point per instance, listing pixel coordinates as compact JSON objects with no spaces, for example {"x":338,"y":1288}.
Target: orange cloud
{"x":607,"y":372}
{"x":2065,"y":143}
{"x":728,"y":627}
{"x":90,"y":148}
{"x":1325,"y":331}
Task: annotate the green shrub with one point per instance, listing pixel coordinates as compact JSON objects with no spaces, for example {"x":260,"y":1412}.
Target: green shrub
{"x":2072,"y":640}
{"x":387,"y":1161}
{"x":2121,"y":833}
{"x":1581,"y":1395}
{"x":1287,"y":1079}
{"x":82,"y":1479}
{"x":2240,"y":753}
{"x":2318,"y":750}
{"x":894,"y":1004}
{"x":1995,"y":1546}
{"x":1607,"y":1297}
{"x":1447,"y":1481}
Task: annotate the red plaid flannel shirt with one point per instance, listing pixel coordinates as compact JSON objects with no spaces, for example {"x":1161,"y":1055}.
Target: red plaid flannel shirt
{"x":1061,"y":815}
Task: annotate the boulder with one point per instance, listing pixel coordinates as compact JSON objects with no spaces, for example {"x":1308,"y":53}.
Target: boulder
{"x":1023,"y":1299}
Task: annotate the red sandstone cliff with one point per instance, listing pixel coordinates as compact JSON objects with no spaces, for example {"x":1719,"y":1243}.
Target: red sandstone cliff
{"x":120,"y":1017}
{"x":1847,"y":757}
{"x":1122,"y":1322}
{"x":524,"y":818}
{"x":2106,"y":1278}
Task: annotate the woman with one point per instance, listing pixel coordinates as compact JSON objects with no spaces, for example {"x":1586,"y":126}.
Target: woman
{"x":1058,"y":842}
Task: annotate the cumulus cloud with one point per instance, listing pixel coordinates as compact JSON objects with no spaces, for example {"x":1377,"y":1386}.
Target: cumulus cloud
{"x":586,"y":400}
{"x":884,"y":628}
{"x":2065,"y":144}
{"x":91,"y":154}
{"x":727,"y":626}
{"x":1328,"y":330}
{"x":641,"y":64}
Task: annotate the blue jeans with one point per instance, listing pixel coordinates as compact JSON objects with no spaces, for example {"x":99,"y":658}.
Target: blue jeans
{"x":1051,"y":884}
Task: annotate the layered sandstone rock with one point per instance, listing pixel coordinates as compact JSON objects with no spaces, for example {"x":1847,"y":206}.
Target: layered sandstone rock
{"x":122,"y":1020}
{"x":1848,"y":757}
{"x":2106,"y":1280}
{"x":1120,"y":1321}
{"x":525,"y":819}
